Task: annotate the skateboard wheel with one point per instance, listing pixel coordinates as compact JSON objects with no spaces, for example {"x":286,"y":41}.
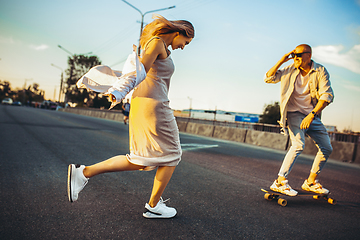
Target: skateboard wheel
{"x":331,"y":201}
{"x":316,"y":197}
{"x":267,"y":196}
{"x":282,"y":202}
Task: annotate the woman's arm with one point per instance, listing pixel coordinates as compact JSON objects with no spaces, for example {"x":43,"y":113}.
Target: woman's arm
{"x":154,"y":50}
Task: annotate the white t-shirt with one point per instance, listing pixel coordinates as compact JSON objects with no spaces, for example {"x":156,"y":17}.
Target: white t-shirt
{"x":300,"y":99}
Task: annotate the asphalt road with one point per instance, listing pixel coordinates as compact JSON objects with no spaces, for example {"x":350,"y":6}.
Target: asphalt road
{"x":215,"y":188}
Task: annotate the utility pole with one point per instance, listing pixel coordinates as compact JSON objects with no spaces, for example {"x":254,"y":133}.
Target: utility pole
{"x":190,"y":106}
{"x":142,"y":18}
{"x":25,"y":89}
{"x":215,"y":113}
{"x":72,"y":57}
{"x":61,"y":81}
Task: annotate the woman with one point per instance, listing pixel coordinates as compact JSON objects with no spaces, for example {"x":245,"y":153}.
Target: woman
{"x":154,"y":136}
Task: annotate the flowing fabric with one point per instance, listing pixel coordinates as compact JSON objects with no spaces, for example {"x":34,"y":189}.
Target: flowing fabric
{"x":103,"y":79}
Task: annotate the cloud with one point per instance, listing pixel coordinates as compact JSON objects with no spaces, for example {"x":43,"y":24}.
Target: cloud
{"x":11,"y":40}
{"x":333,"y":55}
{"x":6,"y":40}
{"x":350,"y":85}
{"x":40,"y":47}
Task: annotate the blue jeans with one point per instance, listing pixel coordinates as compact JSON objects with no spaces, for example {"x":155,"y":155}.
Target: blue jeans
{"x":317,"y":132}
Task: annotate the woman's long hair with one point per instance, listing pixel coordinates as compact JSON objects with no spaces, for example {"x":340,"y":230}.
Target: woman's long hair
{"x":163,"y":26}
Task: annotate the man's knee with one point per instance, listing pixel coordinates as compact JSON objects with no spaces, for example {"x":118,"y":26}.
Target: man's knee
{"x":327,"y":150}
{"x":297,"y":147}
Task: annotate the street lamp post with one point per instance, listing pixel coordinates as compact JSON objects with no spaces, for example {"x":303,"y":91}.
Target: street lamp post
{"x":142,"y":17}
{"x":61,"y":80}
{"x":190,"y":106}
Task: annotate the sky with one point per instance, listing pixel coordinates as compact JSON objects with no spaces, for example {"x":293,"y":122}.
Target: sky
{"x":236,"y":42}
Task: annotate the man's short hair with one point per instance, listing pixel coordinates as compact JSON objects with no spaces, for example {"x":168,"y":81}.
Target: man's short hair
{"x":306,"y":46}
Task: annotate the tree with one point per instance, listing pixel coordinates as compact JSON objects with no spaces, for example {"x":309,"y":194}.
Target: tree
{"x":5,"y":89}
{"x":78,"y":66}
{"x":271,"y":113}
{"x":32,"y":93}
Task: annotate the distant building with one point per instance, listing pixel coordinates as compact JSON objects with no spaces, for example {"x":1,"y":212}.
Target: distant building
{"x":219,"y":115}
{"x":331,"y":128}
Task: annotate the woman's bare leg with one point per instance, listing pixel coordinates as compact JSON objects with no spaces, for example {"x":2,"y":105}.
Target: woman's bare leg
{"x":115,"y":164}
{"x":162,"y":178}
{"x":121,"y":163}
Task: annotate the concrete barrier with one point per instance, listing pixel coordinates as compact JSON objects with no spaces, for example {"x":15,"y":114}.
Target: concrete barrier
{"x":181,"y":126}
{"x":342,"y":151}
{"x":200,"y":129}
{"x":231,"y":134}
{"x":357,"y":154}
{"x":111,"y":115}
{"x":266,"y":139}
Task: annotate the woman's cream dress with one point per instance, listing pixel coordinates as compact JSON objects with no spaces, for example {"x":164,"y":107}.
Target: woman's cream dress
{"x":154,"y":135}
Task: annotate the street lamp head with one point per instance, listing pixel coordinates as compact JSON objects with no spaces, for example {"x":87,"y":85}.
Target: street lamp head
{"x":56,"y":66}
{"x":70,"y":53}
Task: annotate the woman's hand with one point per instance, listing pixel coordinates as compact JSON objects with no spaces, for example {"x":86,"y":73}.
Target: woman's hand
{"x":111,"y":98}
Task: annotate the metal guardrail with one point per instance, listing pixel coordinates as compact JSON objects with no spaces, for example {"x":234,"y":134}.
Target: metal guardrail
{"x":345,"y":137}
{"x":334,"y":136}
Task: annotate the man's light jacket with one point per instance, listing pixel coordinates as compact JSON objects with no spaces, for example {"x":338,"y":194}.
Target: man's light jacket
{"x":319,"y":84}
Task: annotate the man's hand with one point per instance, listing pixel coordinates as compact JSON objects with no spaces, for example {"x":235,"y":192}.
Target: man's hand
{"x":286,"y":57}
{"x":283,"y":59}
{"x":305,"y":124}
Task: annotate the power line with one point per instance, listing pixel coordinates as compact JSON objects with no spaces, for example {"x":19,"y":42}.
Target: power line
{"x":186,"y":6}
{"x":121,"y":61}
{"x":115,"y":40}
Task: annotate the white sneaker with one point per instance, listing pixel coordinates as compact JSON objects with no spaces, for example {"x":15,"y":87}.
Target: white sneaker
{"x":283,"y":187}
{"x":314,"y":187}
{"x":159,"y":211}
{"x":76,"y":181}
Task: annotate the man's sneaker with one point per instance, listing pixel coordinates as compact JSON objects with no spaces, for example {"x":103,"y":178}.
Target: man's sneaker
{"x":314,"y":187}
{"x":283,"y":187}
{"x":76,"y":181}
{"x":159,"y":211}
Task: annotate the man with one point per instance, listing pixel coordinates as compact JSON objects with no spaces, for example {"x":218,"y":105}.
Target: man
{"x":305,"y":92}
{"x":126,"y":110}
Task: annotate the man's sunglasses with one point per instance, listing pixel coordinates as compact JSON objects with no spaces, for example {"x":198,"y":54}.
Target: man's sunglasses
{"x":292,"y":55}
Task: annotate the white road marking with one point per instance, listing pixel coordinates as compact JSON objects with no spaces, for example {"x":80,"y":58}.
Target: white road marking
{"x":194,"y":146}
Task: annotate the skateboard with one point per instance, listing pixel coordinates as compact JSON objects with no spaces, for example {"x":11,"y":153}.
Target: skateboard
{"x":271,"y":195}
